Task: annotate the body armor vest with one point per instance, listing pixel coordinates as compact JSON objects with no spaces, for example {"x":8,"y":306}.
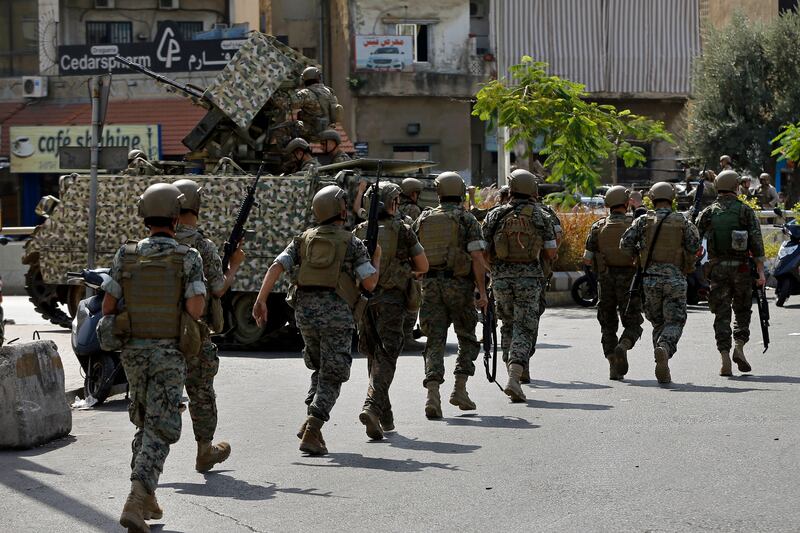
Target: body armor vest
{"x":608,"y":238}
{"x":517,"y":240}
{"x":322,"y":251}
{"x":440,"y":235}
{"x":669,"y":246}
{"x":724,"y":222}
{"x":153,"y":292}
{"x":392,"y":275}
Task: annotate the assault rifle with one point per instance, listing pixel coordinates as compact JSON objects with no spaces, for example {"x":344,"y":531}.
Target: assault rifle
{"x":238,"y":231}
{"x":591,"y":277}
{"x":636,"y":283}
{"x":763,"y":307}
{"x":371,"y":239}
{"x":698,"y":194}
{"x":489,"y":321}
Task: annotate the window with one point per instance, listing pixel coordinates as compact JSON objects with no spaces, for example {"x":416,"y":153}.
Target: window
{"x":108,"y":32}
{"x":420,"y":31}
{"x":787,"y":5}
{"x":412,"y":152}
{"x":186,"y":30}
{"x":310,"y":53}
{"x":19,"y":38}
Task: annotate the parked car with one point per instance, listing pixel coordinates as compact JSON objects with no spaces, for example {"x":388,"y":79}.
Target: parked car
{"x":386,"y":57}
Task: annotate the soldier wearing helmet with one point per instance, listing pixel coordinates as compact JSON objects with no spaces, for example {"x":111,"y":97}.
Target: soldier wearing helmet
{"x":298,"y":158}
{"x":733,"y":235}
{"x":725,"y":163}
{"x":327,"y":263}
{"x":521,"y":236}
{"x":153,"y":362}
{"x":411,"y":188}
{"x":454,"y":246}
{"x":330,"y":140}
{"x":381,"y":335}
{"x":709,"y":192}
{"x":767,"y":194}
{"x":667,"y":245}
{"x":316,"y":105}
{"x":614,"y":269}
{"x":201,"y":369}
{"x":138,"y":165}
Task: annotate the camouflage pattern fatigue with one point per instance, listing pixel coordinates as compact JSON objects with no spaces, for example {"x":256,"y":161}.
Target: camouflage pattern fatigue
{"x":329,"y":158}
{"x":664,"y":284}
{"x":155,"y":368}
{"x":326,"y":324}
{"x":709,"y":194}
{"x":409,"y":209}
{"x":292,"y":166}
{"x":316,"y":104}
{"x":728,"y":271}
{"x":445,"y":302}
{"x":280,"y":118}
{"x":613,"y":287}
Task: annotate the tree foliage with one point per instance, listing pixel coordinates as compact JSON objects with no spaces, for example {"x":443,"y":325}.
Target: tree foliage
{"x":745,"y":88}
{"x":577,"y":135}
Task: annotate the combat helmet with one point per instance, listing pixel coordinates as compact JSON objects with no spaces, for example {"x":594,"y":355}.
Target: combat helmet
{"x":311,"y":73}
{"x":410,"y":186}
{"x":616,"y":196}
{"x":727,"y":181}
{"x":163,"y":200}
{"x":327,"y":203}
{"x":387,"y":192}
{"x":136,"y":153}
{"x":662,"y":191}
{"x":764,"y":176}
{"x":298,"y":143}
{"x":523,"y":182}
{"x":330,"y":135}
{"x":191,"y":193}
{"x":450,"y":184}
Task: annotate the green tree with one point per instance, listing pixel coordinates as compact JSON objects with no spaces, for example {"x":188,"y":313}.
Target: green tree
{"x":577,"y":135}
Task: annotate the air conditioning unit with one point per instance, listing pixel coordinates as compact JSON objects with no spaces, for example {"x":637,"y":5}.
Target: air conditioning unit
{"x":104,"y":4}
{"x":477,"y":9}
{"x":169,"y":4}
{"x":34,"y":86}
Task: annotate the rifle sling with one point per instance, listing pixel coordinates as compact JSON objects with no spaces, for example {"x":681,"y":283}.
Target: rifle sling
{"x":652,"y":244}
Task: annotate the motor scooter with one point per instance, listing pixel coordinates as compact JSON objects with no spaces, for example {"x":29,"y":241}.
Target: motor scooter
{"x":787,"y":266}
{"x":103,"y":370}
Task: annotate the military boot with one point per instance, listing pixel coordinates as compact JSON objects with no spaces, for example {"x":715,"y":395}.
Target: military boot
{"x":738,"y":357}
{"x":725,"y":370}
{"x":372,"y":423}
{"x":613,"y":367}
{"x":387,"y":421}
{"x":208,"y":455}
{"x":526,"y":377}
{"x":459,"y":396}
{"x":151,"y":510}
{"x":410,"y":344}
{"x":313,"y":443}
{"x":621,"y":351}
{"x":133,"y":512}
{"x":513,"y":388}
{"x":433,"y":403}
{"x":662,"y":365}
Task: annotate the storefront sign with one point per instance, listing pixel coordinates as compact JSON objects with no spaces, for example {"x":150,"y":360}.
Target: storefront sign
{"x":168,"y":53}
{"x":361,"y":148}
{"x":384,"y":52}
{"x":34,"y":149}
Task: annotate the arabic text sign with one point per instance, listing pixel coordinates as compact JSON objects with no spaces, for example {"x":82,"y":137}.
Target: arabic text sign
{"x":35,"y":148}
{"x":168,"y":53}
{"x":384,"y":52}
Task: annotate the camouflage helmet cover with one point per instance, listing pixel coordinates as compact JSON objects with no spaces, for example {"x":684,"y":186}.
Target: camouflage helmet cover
{"x":727,"y":181}
{"x":330,"y":135}
{"x":389,"y":191}
{"x":160,"y":200}
{"x":310,"y":73}
{"x":411,"y":185}
{"x":662,"y":191}
{"x":616,"y":196}
{"x":298,"y":143}
{"x":523,"y":182}
{"x":450,"y":184}
{"x":328,"y":202}
{"x":191,"y":193}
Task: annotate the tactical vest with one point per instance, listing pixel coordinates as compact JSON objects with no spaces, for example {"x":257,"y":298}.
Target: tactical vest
{"x":517,"y":240}
{"x":669,"y":246}
{"x":608,"y":237}
{"x":322,"y":251}
{"x":724,"y":222}
{"x":153,"y":292}
{"x":440,"y":234}
{"x":392,"y":274}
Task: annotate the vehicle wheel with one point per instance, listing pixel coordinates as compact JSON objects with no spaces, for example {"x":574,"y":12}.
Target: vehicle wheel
{"x":98,"y":380}
{"x":582,"y":292}
{"x":245,"y":329}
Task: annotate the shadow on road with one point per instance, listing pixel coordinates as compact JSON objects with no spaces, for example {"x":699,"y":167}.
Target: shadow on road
{"x":509,"y":422}
{"x":545,"y":346}
{"x":765,"y":379}
{"x":572,"y":385}
{"x":689,"y":387}
{"x":395,"y":440}
{"x":540,"y":404}
{"x":355,"y":460}
{"x":219,"y":485}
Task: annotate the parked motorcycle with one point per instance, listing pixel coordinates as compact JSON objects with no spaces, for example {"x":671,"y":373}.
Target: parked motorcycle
{"x":787,"y":267}
{"x":103,"y":370}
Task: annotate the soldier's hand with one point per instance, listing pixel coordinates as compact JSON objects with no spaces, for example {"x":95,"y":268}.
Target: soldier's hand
{"x":260,"y":313}
{"x":376,"y":257}
{"x":761,"y":281}
{"x":482,"y":302}
{"x":362,"y":185}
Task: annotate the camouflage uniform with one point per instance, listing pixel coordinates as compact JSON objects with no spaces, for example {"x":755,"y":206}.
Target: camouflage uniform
{"x":387,"y":307}
{"x":280,"y":113}
{"x":729,"y":273}
{"x":709,"y":194}
{"x":450,"y":300}
{"x":292,"y":166}
{"x":337,"y":156}
{"x":409,"y":208}
{"x":518,"y":287}
{"x":664,"y":284}
{"x":156,"y":370}
{"x":614,"y":283}
{"x":200,"y":370}
{"x":326,"y":323}
{"x":317,"y":103}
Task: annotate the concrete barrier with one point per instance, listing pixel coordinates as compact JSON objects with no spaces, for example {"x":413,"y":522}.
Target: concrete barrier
{"x":33,"y":409}
{"x":11,"y":268}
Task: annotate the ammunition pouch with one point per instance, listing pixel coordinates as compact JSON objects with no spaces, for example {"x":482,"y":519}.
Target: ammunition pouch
{"x":517,"y":240}
{"x":413,"y":295}
{"x":347,"y":289}
{"x":105,"y":334}
{"x":193,"y":333}
{"x":216,"y":316}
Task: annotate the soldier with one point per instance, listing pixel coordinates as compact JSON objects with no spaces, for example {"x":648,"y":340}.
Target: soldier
{"x":667,"y":245}
{"x":732,"y":234}
{"x":381,"y":330}
{"x":766,"y":193}
{"x":744,"y":186}
{"x":138,"y":165}
{"x":201,"y":369}
{"x":325,"y":263}
{"x":330,"y":141}
{"x":725,"y":163}
{"x":709,"y":192}
{"x":409,"y":196}
{"x":615,"y":270}
{"x":411,"y":189}
{"x":317,"y":105}
{"x":298,"y":153}
{"x":635,"y":204}
{"x":520,"y":234}
{"x":159,"y":279}
{"x":454,"y":247}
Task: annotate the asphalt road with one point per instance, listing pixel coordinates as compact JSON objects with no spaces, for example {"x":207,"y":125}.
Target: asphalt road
{"x":584,"y":454}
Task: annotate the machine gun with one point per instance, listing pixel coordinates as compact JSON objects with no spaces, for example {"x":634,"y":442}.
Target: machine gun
{"x":188,"y":89}
{"x":238,"y":231}
{"x":489,"y":322}
{"x":763,"y":307}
